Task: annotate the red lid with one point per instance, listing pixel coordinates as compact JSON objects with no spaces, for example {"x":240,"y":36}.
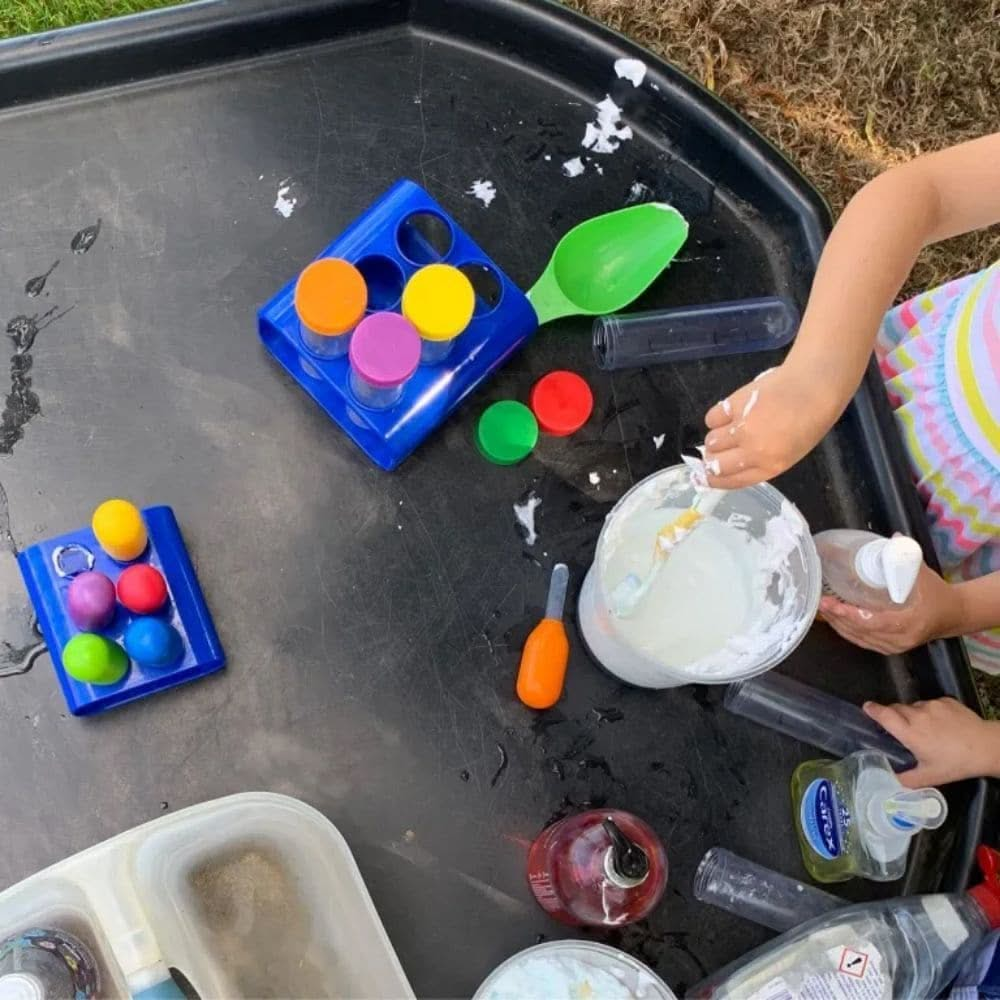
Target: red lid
{"x":562,"y":402}
{"x":987,"y":893}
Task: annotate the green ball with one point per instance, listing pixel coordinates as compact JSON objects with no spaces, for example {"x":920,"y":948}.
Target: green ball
{"x":93,"y":659}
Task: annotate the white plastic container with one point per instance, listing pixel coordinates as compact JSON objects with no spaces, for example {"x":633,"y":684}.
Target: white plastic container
{"x":567,"y":970}
{"x":786,"y":588}
{"x":868,"y":570}
{"x":251,"y":895}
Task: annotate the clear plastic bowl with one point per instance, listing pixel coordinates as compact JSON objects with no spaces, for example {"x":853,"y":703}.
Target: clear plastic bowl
{"x":786,"y":612}
{"x":639,"y":980}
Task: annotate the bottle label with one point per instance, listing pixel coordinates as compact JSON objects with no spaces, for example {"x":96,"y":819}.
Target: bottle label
{"x":946,"y":921}
{"x":852,"y":972}
{"x":823,"y":818}
{"x":544,"y":890}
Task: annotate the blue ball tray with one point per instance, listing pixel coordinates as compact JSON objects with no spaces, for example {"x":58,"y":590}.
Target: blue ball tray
{"x":388,"y":249}
{"x":186,"y":611}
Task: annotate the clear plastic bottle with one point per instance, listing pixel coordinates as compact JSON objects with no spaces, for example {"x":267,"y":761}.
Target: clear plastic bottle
{"x":868,"y":570}
{"x":853,"y":817}
{"x":602,"y":868}
{"x":756,"y":893}
{"x":904,"y":949}
{"x":45,"y":963}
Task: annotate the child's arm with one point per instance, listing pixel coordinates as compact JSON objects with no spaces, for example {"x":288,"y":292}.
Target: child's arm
{"x":949,"y":740}
{"x":936,"y":610}
{"x":765,"y":427}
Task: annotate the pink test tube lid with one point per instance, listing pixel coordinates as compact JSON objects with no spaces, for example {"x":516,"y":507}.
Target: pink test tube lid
{"x":385,"y":349}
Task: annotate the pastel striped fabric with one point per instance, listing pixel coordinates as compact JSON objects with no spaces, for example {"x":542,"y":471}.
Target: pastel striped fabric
{"x":940,"y":357}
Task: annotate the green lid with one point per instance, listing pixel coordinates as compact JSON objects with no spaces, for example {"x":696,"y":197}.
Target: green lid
{"x":93,"y":659}
{"x":507,"y":432}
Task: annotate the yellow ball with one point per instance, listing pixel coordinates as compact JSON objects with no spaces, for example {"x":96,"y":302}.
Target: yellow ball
{"x":120,"y":530}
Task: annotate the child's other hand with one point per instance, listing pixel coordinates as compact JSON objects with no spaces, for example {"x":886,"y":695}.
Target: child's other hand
{"x":765,"y":427}
{"x":932,"y":613}
{"x":949,"y":740}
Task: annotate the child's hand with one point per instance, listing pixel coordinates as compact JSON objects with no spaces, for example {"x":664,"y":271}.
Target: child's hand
{"x":765,"y":427}
{"x":933,"y":611}
{"x":949,"y":740}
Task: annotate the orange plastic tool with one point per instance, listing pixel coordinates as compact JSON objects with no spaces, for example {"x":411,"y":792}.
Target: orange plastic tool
{"x":546,"y":653}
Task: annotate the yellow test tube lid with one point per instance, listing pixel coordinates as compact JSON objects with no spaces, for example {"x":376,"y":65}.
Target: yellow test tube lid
{"x":439,"y":300}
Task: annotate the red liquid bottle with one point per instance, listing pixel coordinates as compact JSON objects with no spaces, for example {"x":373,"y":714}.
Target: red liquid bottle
{"x":602,"y":868}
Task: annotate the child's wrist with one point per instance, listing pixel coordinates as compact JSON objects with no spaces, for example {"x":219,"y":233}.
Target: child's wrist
{"x":951,"y":613}
{"x":989,"y":766}
{"x":828,"y":399}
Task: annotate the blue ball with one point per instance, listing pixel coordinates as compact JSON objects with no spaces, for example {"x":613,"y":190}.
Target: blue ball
{"x":152,"y":642}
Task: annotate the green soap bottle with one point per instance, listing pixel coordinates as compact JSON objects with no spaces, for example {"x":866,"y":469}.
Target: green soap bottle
{"x":854,"y":818}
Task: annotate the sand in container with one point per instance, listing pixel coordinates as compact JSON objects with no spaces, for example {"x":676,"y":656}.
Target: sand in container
{"x":733,"y":599}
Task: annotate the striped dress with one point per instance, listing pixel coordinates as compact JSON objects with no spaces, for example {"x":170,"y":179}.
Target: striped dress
{"x":940,"y":357}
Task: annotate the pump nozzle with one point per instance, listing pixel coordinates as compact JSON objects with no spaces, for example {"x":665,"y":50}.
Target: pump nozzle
{"x":891,"y":564}
{"x":891,"y":815}
{"x":627,"y":863}
{"x":919,"y":809}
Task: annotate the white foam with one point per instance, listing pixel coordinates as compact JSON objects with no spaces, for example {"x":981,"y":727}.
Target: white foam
{"x":633,"y":70}
{"x":607,"y":133}
{"x":524,"y":514}
{"x":569,"y":976}
{"x":733,"y":564}
{"x":286,"y":201}
{"x":639,"y":192}
{"x":574,"y":167}
{"x":483,"y":190}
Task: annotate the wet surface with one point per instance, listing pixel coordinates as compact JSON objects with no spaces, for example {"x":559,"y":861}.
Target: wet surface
{"x":34,"y":287}
{"x":85,"y":238}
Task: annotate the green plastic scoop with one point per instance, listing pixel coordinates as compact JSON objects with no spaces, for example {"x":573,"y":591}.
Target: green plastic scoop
{"x":603,"y":264}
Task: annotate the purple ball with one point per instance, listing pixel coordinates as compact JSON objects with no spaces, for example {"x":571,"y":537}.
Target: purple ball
{"x":91,"y":601}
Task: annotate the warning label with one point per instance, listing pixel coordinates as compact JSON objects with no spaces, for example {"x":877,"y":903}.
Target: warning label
{"x":853,"y":963}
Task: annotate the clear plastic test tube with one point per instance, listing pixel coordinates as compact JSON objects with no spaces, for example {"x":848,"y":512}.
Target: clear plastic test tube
{"x":384,"y":354}
{"x":814,"y":717}
{"x":691,"y":332}
{"x":330,"y":300}
{"x":756,"y":893}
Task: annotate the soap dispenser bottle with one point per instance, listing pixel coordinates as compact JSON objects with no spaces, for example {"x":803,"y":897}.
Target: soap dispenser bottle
{"x":601,"y":868}
{"x":867,"y":570}
{"x":854,"y":818}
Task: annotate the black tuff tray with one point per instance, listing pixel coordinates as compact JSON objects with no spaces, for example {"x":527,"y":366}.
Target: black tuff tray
{"x":373,"y":621}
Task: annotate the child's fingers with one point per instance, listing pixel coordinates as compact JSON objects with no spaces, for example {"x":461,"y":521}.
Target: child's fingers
{"x":894,"y":719}
{"x":723,"y":438}
{"x":919,"y":777}
{"x":727,"y":463}
{"x":858,"y":637}
{"x":737,"y":480}
{"x":851,"y":614}
{"x":720,"y":414}
{"x":831,"y":605}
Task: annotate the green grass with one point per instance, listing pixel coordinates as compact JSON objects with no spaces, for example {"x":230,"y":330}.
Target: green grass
{"x":21,"y":17}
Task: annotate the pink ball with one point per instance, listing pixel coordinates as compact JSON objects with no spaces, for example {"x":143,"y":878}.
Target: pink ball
{"x":90,"y":601}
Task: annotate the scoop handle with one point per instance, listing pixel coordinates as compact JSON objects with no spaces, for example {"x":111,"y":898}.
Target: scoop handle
{"x":547,"y":298}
